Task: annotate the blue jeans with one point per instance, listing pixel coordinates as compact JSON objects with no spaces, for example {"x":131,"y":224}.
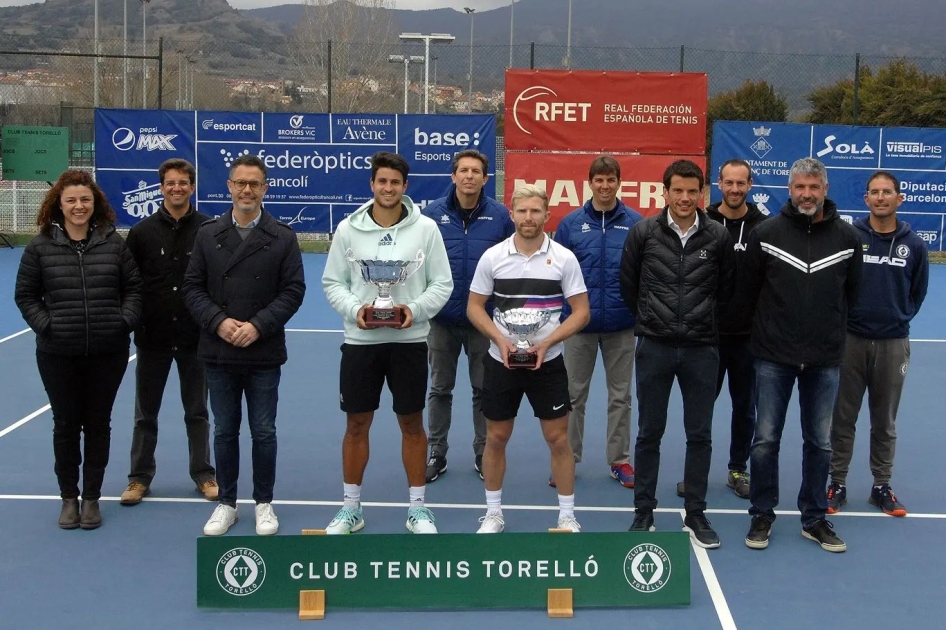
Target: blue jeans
{"x":227,"y":385}
{"x":695,"y":368}
{"x":817,"y":390}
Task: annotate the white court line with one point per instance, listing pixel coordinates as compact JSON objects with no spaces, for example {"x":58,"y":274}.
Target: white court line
{"x":726,"y":620}
{"x":19,"y":423}
{"x":313,"y":330}
{"x":14,"y":335}
{"x":608,"y":509}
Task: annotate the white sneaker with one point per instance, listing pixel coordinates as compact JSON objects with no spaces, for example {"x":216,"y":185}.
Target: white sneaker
{"x":420,"y":521}
{"x":347,"y":521}
{"x":492,"y":523}
{"x":266,"y":522}
{"x":569,"y":522}
{"x":220,"y":521}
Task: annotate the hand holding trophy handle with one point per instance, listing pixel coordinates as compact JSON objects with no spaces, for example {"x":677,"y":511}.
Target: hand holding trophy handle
{"x":523,"y":322}
{"x":384,"y":274}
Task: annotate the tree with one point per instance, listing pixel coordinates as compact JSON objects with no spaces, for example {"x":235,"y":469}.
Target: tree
{"x":363,"y":33}
{"x":896,"y":95}
{"x":755,"y":100}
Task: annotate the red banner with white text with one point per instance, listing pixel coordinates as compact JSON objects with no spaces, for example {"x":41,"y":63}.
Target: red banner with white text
{"x":564,"y":177}
{"x":614,"y":112}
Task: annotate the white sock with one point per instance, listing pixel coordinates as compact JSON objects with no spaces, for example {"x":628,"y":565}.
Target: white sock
{"x":352,"y":495}
{"x":566,"y":505}
{"x":494,"y":501}
{"x":417,"y":496}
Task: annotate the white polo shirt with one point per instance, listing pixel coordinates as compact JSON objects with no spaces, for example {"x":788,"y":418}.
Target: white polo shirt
{"x":541,"y":281}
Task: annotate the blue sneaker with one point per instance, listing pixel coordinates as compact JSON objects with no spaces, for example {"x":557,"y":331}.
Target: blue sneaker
{"x":347,"y":521}
{"x":624,"y":473}
{"x":420,"y":521}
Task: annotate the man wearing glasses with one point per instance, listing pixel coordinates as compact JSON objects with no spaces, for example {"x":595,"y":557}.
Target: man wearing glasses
{"x":161,"y":245}
{"x":245,"y":280}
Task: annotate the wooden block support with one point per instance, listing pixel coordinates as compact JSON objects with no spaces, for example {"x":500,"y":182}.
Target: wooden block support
{"x":556,"y":530}
{"x":313,"y":532}
{"x":312,"y":605}
{"x":560,"y":602}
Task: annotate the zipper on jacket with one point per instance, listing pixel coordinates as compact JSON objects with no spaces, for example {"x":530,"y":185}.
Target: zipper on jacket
{"x":85,"y":304}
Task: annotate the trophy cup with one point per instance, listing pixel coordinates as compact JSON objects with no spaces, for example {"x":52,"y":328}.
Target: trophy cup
{"x":523,"y":322}
{"x":384,"y":274}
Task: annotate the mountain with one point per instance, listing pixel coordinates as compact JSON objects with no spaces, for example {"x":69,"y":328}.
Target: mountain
{"x":872,"y":27}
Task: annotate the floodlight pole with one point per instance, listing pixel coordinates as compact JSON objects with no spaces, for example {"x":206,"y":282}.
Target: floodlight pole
{"x":433,"y":37}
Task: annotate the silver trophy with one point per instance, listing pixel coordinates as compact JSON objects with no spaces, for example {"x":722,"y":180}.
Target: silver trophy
{"x":523,"y":322}
{"x":384,"y":274}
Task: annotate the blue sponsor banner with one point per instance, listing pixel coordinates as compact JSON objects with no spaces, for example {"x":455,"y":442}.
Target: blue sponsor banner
{"x":319,"y":165}
{"x":917,"y":156}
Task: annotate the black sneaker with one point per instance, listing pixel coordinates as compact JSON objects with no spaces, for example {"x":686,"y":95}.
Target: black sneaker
{"x":883,"y":497}
{"x":738,"y":480}
{"x":643,"y":522}
{"x":681,"y":490}
{"x":700,"y":531}
{"x":759,"y":531}
{"x":478,"y":465}
{"x":822,"y":532}
{"x":837,"y":496}
{"x":436,"y":466}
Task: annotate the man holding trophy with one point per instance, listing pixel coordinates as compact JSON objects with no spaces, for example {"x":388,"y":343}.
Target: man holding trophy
{"x":529,"y":278}
{"x":387,"y":275}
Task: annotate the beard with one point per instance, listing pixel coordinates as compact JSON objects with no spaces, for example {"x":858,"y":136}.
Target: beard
{"x":811,"y":211}
{"x":740,"y":199}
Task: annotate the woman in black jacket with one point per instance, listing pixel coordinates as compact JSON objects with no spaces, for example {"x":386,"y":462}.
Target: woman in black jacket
{"x":79,"y":290}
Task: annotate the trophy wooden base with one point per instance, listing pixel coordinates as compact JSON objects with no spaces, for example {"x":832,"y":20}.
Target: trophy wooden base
{"x":384,"y":317}
{"x":523,"y":359}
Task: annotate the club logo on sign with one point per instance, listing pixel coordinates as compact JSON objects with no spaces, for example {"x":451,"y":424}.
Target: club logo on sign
{"x":647,"y":568}
{"x":241,"y":571}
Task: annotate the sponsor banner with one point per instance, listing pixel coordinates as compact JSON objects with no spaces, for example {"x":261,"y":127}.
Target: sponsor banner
{"x":564,"y":176}
{"x":621,"y":112}
{"x":319,"y":165}
{"x":851,"y":154}
{"x":448,"y":570}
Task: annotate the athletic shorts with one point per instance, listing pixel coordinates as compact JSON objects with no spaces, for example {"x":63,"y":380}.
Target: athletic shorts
{"x":364,"y":369}
{"x":546,"y":388}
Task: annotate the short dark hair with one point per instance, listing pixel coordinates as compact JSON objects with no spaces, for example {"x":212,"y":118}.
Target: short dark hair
{"x":683,"y":168}
{"x":604,"y":165}
{"x":888,"y":175}
{"x":386,"y":159}
{"x":248,"y":159}
{"x":177,"y":164}
{"x":469,"y":153}
{"x":736,"y":162}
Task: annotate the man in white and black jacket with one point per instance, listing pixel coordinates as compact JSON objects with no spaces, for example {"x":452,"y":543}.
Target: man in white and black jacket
{"x":802,"y":271}
{"x":677,"y":266}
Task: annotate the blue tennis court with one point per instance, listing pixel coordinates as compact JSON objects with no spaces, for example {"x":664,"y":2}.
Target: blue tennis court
{"x":138,"y":569}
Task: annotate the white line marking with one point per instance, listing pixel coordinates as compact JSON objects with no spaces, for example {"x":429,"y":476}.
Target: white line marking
{"x":14,"y":335}
{"x":313,"y":330}
{"x":712,"y":585}
{"x":19,"y":423}
{"x":458,"y":506}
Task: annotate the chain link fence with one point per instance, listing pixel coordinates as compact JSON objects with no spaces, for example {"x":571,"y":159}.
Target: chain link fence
{"x":62,"y":87}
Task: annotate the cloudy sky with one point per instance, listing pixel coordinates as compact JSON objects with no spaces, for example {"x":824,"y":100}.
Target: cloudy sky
{"x":480,"y":5}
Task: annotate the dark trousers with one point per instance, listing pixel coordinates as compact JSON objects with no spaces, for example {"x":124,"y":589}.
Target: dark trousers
{"x":227,"y":385}
{"x":695,"y":367}
{"x":81,"y":393}
{"x":151,"y":376}
{"x":736,"y":360}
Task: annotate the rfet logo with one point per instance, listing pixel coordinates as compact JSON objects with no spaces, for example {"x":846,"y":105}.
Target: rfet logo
{"x":542,"y":105}
{"x":148,"y":138}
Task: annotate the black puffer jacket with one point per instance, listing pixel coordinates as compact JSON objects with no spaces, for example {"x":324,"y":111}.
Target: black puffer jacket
{"x":162,"y":248}
{"x":79,"y":304}
{"x":259,"y":280}
{"x":671,"y":290}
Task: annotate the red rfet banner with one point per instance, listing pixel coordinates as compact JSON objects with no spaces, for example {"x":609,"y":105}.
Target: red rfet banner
{"x":620,"y":112}
{"x":564,"y":177}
